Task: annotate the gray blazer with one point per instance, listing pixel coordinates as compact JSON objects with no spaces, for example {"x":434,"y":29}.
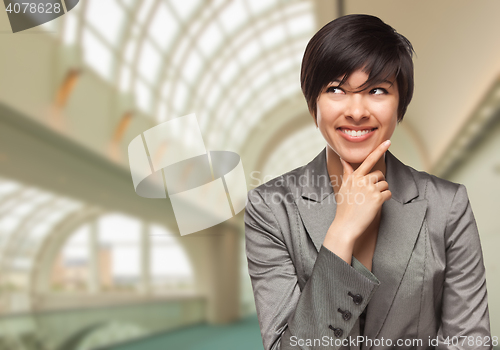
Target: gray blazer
{"x":427,"y":282}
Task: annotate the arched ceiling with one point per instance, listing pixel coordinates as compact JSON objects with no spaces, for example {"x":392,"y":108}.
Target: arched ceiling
{"x":234,"y":62}
{"x":228,"y":61}
{"x":28,"y":216}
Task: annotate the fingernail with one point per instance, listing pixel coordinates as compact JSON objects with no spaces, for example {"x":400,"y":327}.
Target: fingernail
{"x":387,"y":143}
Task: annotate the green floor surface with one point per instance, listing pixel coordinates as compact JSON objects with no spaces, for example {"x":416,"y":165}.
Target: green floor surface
{"x":241,"y":335}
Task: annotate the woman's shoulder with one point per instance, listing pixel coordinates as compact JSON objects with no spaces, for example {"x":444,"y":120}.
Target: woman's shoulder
{"x":436,"y":190}
{"x":279,"y":186}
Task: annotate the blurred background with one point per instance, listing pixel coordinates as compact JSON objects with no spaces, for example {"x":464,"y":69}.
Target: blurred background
{"x":85,"y":263}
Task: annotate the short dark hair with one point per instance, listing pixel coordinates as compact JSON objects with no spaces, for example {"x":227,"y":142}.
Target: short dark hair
{"x":353,"y":42}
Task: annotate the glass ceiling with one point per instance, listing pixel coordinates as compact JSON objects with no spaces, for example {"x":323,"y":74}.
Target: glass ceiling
{"x":27,"y":217}
{"x":230,"y":62}
{"x":30,"y":216}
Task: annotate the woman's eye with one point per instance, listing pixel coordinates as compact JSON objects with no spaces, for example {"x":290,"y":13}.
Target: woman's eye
{"x":378,"y":91}
{"x":335,"y":90}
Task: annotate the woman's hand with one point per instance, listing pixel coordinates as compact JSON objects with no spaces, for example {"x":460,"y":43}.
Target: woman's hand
{"x":359,"y":199}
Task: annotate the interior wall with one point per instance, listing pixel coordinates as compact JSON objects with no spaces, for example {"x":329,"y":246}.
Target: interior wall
{"x":480,"y":173}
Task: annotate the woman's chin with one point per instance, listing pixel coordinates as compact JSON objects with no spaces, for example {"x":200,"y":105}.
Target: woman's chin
{"x":353,"y":155}
{"x":355,"y":158}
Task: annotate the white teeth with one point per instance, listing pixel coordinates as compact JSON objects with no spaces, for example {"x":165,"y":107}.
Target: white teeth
{"x":355,"y":133}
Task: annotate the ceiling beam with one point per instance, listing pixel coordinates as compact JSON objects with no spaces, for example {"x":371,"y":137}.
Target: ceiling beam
{"x":485,"y":115}
{"x":36,"y":155}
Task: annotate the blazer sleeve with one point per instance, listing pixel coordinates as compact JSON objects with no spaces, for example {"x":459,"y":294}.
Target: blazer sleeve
{"x":290,"y":318}
{"x":464,"y":300}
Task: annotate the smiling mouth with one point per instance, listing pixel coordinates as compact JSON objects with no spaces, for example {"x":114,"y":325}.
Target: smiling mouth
{"x":354,"y":133}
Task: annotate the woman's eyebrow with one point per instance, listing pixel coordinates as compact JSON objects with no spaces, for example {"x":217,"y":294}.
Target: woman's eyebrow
{"x":337,"y":81}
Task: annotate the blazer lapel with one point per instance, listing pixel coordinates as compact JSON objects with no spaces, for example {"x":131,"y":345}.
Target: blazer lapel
{"x":400,"y":224}
{"x":315,"y":199}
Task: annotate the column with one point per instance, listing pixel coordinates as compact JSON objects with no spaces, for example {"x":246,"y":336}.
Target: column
{"x":93,"y":285}
{"x":145,"y":260}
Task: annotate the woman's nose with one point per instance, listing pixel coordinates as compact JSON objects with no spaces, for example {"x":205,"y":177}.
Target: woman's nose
{"x":356,"y":108}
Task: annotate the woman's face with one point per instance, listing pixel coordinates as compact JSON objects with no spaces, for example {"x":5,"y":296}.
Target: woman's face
{"x":355,"y":123}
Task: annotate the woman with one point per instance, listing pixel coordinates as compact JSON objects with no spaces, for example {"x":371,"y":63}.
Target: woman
{"x":356,"y":250}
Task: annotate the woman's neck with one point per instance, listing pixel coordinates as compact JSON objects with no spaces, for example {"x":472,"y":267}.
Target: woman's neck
{"x":335,"y":169}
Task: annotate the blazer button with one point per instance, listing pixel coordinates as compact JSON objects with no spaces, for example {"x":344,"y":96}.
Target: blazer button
{"x":358,"y":299}
{"x":336,"y":331}
{"x":346,"y":315}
